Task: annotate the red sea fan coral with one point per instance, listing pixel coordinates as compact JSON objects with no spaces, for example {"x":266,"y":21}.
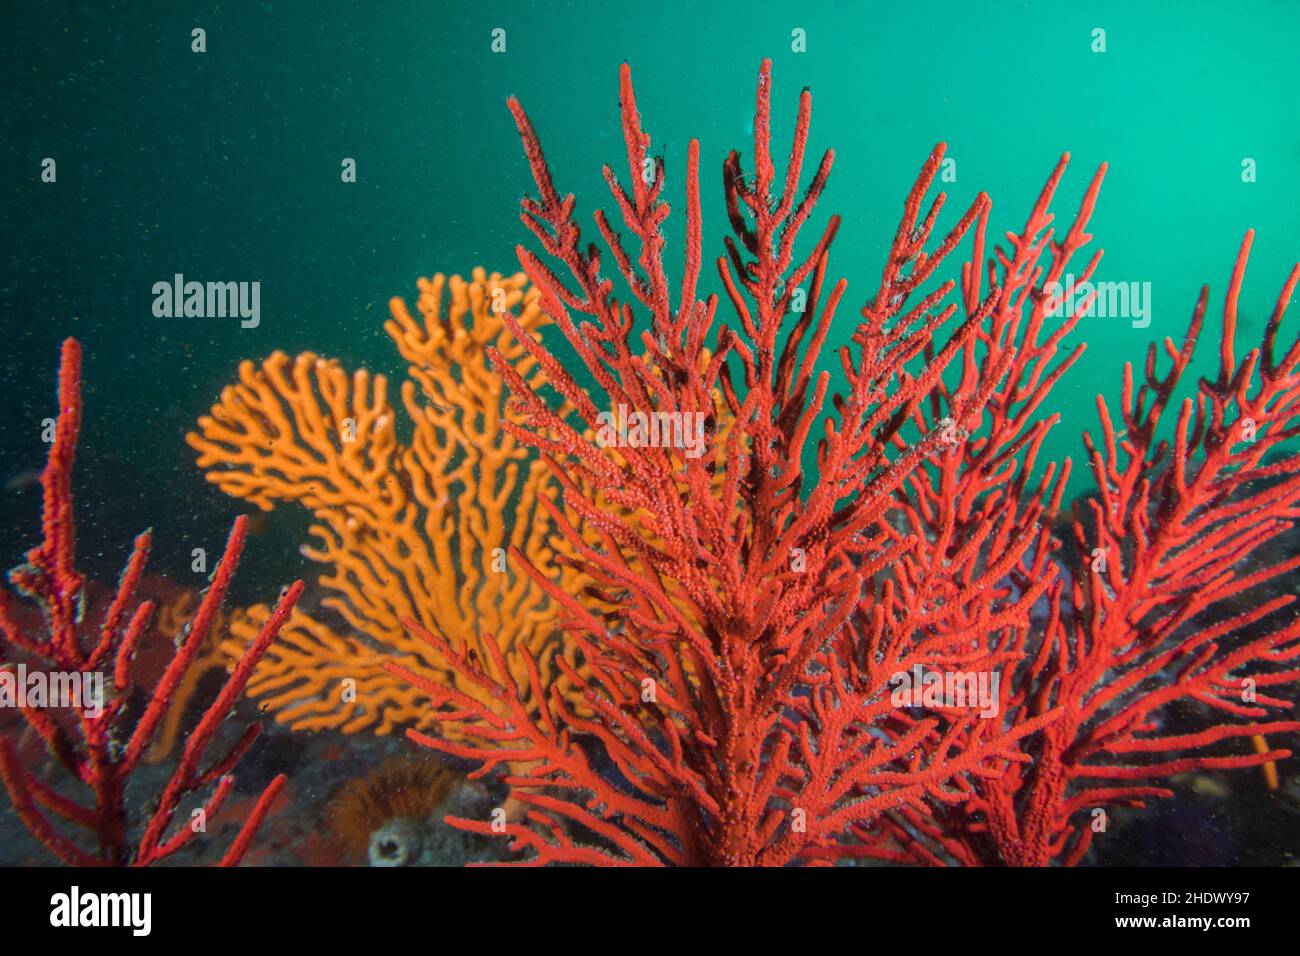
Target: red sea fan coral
{"x":741,"y":705}
{"x":96,"y":738}
{"x":743,"y":691}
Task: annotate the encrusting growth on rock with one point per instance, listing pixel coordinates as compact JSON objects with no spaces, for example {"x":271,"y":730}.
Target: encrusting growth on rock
{"x":378,"y":818}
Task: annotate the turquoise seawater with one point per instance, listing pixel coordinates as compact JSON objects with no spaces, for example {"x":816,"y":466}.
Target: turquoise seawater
{"x":225,"y":165}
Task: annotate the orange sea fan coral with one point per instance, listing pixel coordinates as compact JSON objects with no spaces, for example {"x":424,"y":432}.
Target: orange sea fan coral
{"x":416,"y":531}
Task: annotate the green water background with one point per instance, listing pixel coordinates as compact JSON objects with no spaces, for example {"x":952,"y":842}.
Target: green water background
{"x":226,"y":166}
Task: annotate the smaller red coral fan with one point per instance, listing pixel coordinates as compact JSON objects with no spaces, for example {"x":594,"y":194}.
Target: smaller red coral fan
{"x":98,"y":742}
{"x":1171,"y":608}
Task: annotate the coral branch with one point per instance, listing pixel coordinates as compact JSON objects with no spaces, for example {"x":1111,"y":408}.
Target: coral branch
{"x":88,"y":731}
